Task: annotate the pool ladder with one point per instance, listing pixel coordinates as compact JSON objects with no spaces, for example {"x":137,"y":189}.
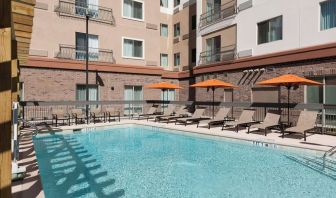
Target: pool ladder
{"x":330,"y":152}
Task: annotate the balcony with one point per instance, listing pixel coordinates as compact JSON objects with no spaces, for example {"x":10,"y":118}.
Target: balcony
{"x":95,"y":54}
{"x":227,"y":53}
{"x":218,"y":14}
{"x":77,"y":10}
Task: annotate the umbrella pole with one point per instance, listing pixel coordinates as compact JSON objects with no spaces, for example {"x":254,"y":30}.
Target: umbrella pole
{"x":163,"y":94}
{"x":213,"y":102}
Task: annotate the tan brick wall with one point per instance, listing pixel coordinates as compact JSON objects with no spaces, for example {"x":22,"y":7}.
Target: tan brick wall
{"x":60,"y":85}
{"x":245,"y":83}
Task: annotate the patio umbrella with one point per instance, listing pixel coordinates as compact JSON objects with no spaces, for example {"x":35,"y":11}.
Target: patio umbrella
{"x":213,"y":84}
{"x":163,"y":86}
{"x":288,"y":81}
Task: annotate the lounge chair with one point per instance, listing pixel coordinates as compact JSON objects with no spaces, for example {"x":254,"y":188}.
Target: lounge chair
{"x":168,"y":112}
{"x":196,"y":117}
{"x":182,"y":112}
{"x":59,"y":114}
{"x":306,"y":123}
{"x":112,"y":113}
{"x":97,"y":114}
{"x":152,"y":111}
{"x":271,"y":120}
{"x":78,"y":115}
{"x":245,"y":119}
{"x":220,"y":118}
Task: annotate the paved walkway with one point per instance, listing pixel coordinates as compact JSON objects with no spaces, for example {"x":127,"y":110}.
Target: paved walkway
{"x":31,"y":185}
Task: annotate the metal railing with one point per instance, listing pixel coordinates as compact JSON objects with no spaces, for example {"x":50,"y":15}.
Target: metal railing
{"x":218,"y":14}
{"x":80,"y":10}
{"x":227,"y":53}
{"x":95,"y":54}
{"x":39,"y":110}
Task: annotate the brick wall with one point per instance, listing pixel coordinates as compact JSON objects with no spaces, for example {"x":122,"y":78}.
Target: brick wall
{"x":60,"y":85}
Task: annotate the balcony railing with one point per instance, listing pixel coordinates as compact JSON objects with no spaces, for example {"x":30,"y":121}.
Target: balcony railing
{"x":227,"y":53}
{"x":95,"y":54}
{"x":75,"y":9}
{"x":218,"y":14}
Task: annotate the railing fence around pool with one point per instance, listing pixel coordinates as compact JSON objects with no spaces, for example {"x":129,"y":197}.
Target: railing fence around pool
{"x":40,"y":110}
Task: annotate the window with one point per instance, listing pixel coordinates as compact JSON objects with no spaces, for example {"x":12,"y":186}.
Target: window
{"x":213,"y":48}
{"x":164,"y":30}
{"x":81,"y":46}
{"x":193,"y":22}
{"x":164,"y":3}
{"x":325,"y":94}
{"x":81,"y":92}
{"x":176,"y":29}
{"x":270,"y":30}
{"x":176,"y":3}
{"x":133,"y":93}
{"x":177,"y":60}
{"x":167,"y":95}
{"x":164,"y":60}
{"x":133,"y":48}
{"x":328,"y":14}
{"x":193,"y":55}
{"x":133,"y":9}
{"x":82,"y":5}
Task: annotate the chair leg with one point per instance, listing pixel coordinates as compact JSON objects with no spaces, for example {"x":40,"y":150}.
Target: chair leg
{"x":56,"y":122}
{"x":304,"y":136}
{"x":237,"y":128}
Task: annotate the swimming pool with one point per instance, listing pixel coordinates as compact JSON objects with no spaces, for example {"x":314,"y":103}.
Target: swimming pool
{"x":139,"y":161}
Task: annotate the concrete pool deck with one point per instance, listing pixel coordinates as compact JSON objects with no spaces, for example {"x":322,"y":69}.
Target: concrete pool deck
{"x":31,"y":186}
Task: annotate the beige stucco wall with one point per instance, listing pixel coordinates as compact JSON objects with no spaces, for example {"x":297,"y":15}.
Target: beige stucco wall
{"x":51,"y":30}
{"x":185,"y":45}
{"x":166,"y":43}
{"x":228,"y":36}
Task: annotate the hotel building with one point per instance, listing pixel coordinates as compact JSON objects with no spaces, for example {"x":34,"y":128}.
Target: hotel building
{"x":133,"y":43}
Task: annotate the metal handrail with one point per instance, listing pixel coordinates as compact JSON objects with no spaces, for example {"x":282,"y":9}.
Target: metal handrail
{"x":215,"y":14}
{"x":226,"y":53}
{"x":330,"y":152}
{"x":76,"y":9}
{"x":79,"y":53}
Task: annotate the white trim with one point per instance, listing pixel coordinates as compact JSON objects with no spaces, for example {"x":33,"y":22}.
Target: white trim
{"x":130,"y":57}
{"x":131,"y":18}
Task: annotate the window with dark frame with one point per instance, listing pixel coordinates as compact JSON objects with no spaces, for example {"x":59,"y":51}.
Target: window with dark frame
{"x":176,"y":3}
{"x":177,"y":29}
{"x":270,"y":30}
{"x":193,"y":55}
{"x":177,"y":60}
{"x":193,"y":22}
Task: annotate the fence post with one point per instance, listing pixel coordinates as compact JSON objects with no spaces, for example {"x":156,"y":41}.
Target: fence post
{"x":129,"y":110}
{"x":323,"y":120}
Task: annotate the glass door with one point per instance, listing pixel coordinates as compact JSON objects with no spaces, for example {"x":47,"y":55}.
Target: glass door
{"x":133,"y":93}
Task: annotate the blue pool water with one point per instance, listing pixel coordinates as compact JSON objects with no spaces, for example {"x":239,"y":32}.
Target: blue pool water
{"x":136,"y":161}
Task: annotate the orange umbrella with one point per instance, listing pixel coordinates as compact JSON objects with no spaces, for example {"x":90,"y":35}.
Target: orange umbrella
{"x":163,"y":86}
{"x":213,"y":84}
{"x":288,"y":81}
